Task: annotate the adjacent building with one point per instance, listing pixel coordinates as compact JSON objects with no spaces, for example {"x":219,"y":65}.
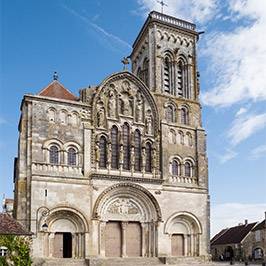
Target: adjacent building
{"x":120,"y":170}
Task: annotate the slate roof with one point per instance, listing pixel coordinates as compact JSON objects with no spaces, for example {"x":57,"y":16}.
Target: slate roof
{"x":56,"y":90}
{"x":260,"y":226}
{"x":9,"y":226}
{"x":233,"y":235}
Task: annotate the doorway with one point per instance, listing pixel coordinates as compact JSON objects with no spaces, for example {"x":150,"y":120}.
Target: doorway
{"x":177,"y":245}
{"x":63,"y":245}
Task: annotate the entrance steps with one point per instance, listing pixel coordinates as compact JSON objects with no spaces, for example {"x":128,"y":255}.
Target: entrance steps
{"x":173,"y":261}
{"x":58,"y":262}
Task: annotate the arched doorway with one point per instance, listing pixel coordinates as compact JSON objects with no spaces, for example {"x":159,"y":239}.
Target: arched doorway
{"x":127,"y":216}
{"x":229,"y":253}
{"x":184,"y":231}
{"x":64,"y":234}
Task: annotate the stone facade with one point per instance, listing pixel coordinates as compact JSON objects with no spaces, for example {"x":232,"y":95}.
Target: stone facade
{"x":122,"y":171}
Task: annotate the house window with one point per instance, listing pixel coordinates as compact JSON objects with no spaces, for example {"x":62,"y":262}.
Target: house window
{"x":3,"y":251}
{"x":54,"y":154}
{"x":115,"y":148}
{"x":148,"y":165}
{"x":257,"y":235}
{"x":71,"y":156}
{"x":188,"y":169}
{"x":126,"y":147}
{"x":175,"y":166}
{"x":137,"y":150}
{"x":103,"y":152}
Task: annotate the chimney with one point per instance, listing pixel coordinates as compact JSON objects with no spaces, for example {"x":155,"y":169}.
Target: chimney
{"x":246,"y":222}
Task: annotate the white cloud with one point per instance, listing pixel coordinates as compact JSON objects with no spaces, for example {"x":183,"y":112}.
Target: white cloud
{"x":229,"y":155}
{"x":231,"y":214}
{"x":237,"y":58}
{"x":246,"y":126}
{"x":199,"y":11}
{"x":258,"y":152}
{"x":241,"y":111}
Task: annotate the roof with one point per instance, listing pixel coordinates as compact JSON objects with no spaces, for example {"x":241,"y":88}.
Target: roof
{"x":56,"y":90}
{"x":9,"y":226}
{"x":233,"y":235}
{"x":260,"y":226}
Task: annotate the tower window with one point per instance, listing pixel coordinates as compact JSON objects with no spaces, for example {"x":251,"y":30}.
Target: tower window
{"x":103,"y":152}
{"x":137,"y":151}
{"x":170,"y":114}
{"x":71,"y":156}
{"x":175,"y":168}
{"x":148,"y":165}
{"x":145,"y":74}
{"x":54,"y":154}
{"x":115,"y":148}
{"x":184,"y":116}
{"x":180,"y":78}
{"x":188,"y":169}
{"x":126,"y":147}
{"x":167,"y":75}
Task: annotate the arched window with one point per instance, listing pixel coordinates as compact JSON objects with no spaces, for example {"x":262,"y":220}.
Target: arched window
{"x":137,"y":150}
{"x":167,"y":75}
{"x":175,"y":168}
{"x":188,"y":169}
{"x":145,"y":72}
{"x":51,"y":115}
{"x":126,"y":147}
{"x":71,"y":156}
{"x":172,"y":137}
{"x":170,"y":114}
{"x":148,"y":165}
{"x":103,"y":152}
{"x":115,"y":148}
{"x":54,"y":154}
{"x":180,"y":78}
{"x":181,"y":137}
{"x":189,"y":139}
{"x":184,"y":116}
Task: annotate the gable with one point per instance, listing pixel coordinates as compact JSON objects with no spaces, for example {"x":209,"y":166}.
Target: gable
{"x":57,"y":90}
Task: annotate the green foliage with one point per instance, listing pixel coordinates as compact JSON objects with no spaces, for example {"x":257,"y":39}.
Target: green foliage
{"x":18,"y":251}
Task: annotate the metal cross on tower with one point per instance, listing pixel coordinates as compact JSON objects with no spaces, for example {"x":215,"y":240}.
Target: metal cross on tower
{"x":162,"y":3}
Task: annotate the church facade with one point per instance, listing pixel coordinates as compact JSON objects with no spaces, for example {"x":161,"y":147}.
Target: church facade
{"x":121,"y":170}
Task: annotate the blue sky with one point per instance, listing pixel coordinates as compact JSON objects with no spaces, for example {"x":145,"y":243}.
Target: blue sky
{"x":84,"y":42}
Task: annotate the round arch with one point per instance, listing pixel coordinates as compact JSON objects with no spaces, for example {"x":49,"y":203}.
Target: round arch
{"x":141,"y":201}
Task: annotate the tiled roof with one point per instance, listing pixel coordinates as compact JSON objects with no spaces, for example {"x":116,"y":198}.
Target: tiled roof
{"x":9,"y":226}
{"x":57,"y":90}
{"x":233,"y":235}
{"x":260,"y":226}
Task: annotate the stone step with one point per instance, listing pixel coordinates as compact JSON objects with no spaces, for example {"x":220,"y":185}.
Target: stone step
{"x":58,"y":261}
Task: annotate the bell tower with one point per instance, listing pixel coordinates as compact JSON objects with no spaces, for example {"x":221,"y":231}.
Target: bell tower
{"x":164,"y":56}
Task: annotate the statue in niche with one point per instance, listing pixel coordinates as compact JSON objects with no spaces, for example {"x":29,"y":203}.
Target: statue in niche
{"x":154,"y":158}
{"x":112,"y":104}
{"x":97,"y":152}
{"x":125,"y":104}
{"x":139,"y":108}
{"x":132,"y":156}
{"x":143,"y":157}
{"x":100,"y":117}
{"x":148,"y":122}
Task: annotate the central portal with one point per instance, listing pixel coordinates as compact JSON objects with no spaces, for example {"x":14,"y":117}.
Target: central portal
{"x":63,"y":245}
{"x":121,"y":236}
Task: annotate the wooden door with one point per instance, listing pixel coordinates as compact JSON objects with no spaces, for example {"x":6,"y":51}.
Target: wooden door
{"x":58,"y":245}
{"x":177,"y":242}
{"x":133,"y":239}
{"x":113,"y":239}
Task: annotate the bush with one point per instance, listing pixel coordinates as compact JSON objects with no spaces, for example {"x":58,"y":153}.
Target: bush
{"x":18,"y":250}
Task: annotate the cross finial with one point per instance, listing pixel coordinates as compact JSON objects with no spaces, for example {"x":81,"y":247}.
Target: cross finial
{"x":125,"y":62}
{"x":162,"y":3}
{"x":55,"y":76}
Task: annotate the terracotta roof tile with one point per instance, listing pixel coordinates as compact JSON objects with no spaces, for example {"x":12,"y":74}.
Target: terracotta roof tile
{"x":232,"y":235}
{"x":57,"y":90}
{"x":9,"y":226}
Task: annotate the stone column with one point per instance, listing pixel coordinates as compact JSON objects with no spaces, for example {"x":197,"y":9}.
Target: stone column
{"x":87,"y":148}
{"x":74,"y":245}
{"x":51,"y":244}
{"x":143,"y":244}
{"x":185,"y":245}
{"x":192,"y":244}
{"x":124,"y":239}
{"x":102,"y":226}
